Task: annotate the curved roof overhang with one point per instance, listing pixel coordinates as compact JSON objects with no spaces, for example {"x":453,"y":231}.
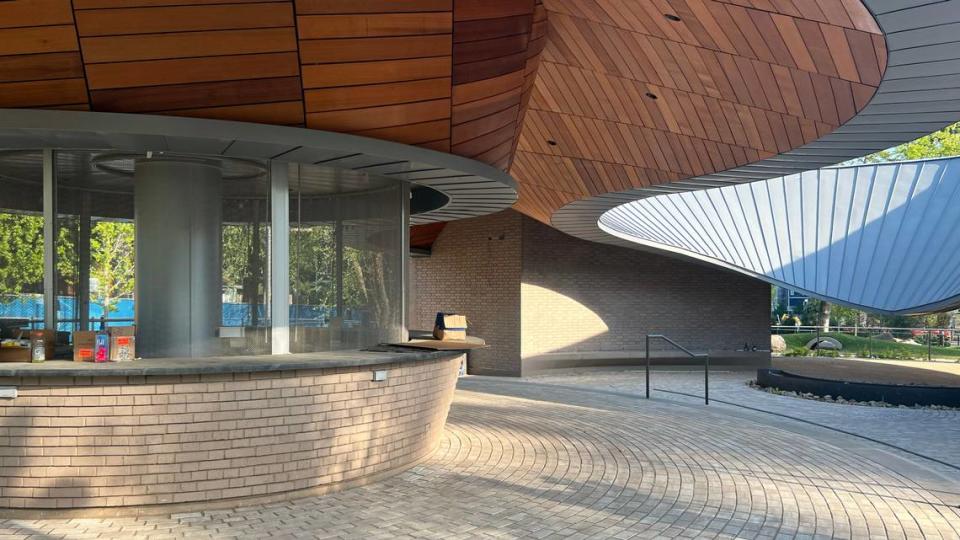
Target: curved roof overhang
{"x":919,"y":92}
{"x":472,"y":188}
{"x":873,"y":237}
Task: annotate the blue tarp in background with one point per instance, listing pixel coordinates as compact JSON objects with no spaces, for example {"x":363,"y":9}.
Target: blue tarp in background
{"x":30,"y":307}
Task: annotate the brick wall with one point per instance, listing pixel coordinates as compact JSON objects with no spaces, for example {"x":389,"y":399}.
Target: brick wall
{"x":474,"y":269}
{"x":580,"y":296}
{"x":546,"y":293}
{"x":134,"y":441}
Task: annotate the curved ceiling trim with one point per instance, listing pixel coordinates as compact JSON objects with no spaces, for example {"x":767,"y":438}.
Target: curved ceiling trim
{"x":870,"y":236}
{"x":919,"y":93}
{"x":473,"y":188}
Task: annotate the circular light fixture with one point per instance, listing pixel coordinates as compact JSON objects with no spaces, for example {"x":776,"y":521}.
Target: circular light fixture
{"x":123,"y":164}
{"x":671,"y":17}
{"x":651,"y":95}
{"x":551,"y":142}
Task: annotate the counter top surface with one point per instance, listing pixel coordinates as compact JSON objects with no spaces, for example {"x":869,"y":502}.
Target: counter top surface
{"x":224,"y":364}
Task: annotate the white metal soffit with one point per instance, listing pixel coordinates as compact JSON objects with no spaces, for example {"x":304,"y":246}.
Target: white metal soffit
{"x":919,"y":94}
{"x":473,"y":188}
{"x":877,"y":237}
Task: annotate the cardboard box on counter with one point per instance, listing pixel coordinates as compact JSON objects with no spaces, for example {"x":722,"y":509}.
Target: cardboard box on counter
{"x":450,"y":326}
{"x":84,"y":343}
{"x":122,"y":343}
{"x":14,"y":354}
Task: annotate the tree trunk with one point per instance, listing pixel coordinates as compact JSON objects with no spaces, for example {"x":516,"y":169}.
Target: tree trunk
{"x":825,"y":316}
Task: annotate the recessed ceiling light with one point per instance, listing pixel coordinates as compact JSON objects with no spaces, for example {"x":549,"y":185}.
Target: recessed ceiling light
{"x":551,"y":142}
{"x":651,"y":95}
{"x":671,"y":17}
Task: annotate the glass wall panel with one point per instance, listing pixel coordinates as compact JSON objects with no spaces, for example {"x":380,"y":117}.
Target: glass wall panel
{"x":245,"y":252}
{"x":372,"y":259}
{"x":345,"y":257}
{"x":21,"y":242}
{"x":96,"y":241}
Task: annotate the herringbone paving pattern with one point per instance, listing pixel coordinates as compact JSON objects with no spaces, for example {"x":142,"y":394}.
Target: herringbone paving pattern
{"x":531,"y":461}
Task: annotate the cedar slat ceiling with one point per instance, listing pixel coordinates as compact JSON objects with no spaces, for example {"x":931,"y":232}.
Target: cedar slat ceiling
{"x":736,"y":81}
{"x":628,"y":98}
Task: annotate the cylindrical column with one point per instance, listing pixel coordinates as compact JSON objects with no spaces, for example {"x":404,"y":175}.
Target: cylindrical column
{"x":177,"y":207}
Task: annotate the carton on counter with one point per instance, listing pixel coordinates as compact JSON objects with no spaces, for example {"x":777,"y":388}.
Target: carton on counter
{"x":122,"y":343}
{"x":84,"y":344}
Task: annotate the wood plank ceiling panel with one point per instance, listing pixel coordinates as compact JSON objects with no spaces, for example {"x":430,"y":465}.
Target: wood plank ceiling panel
{"x":40,"y":62}
{"x":378,"y":69}
{"x":496,"y":48}
{"x":636,"y":94}
{"x":231,"y":60}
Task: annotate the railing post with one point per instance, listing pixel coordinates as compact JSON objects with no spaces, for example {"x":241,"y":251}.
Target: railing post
{"x":929,"y":344}
{"x":706,"y":380}
{"x":648,"y":366}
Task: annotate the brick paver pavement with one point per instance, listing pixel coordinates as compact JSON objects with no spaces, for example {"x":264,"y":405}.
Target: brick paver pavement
{"x":523,"y":460}
{"x":934,"y":433}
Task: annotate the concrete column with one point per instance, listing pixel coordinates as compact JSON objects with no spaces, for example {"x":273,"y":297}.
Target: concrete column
{"x":178,"y":266}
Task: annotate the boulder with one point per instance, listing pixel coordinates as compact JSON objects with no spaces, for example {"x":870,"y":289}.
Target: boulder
{"x":777,"y":344}
{"x":825,"y":344}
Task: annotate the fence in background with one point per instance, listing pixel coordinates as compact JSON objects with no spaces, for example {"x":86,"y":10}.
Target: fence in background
{"x":875,"y":341}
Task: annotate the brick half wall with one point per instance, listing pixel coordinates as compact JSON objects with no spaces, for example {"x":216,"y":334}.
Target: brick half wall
{"x":197,"y":440}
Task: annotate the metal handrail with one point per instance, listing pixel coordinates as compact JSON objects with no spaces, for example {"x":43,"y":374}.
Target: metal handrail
{"x":706,"y":364}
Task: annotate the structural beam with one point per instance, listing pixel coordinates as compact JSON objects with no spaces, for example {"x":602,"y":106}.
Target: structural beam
{"x":405,"y":262}
{"x":83,"y":254}
{"x":49,"y":239}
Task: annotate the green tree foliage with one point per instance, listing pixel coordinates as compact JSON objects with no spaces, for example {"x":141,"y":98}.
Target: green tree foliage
{"x":21,"y":254}
{"x":943,"y":143}
{"x":112,"y":262}
{"x":313,"y":265}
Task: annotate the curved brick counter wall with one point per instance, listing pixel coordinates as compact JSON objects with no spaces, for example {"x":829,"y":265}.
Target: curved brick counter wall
{"x":83,"y":442}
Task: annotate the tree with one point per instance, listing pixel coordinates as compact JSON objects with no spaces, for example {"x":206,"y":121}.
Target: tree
{"x":943,"y":143}
{"x":824,"y":315}
{"x":21,"y":254}
{"x":112,"y":262}
{"x":312,"y":265}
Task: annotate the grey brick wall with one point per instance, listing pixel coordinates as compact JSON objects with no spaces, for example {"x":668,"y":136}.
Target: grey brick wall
{"x":474,"y":269}
{"x":581,"y":296}
{"x":530,"y":291}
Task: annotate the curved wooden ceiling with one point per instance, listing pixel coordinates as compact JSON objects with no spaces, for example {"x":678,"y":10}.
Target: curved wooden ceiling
{"x":634,"y":97}
{"x":630,"y":93}
{"x":452,"y":76}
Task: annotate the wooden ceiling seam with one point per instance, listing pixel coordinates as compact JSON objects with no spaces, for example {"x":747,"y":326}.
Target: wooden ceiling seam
{"x":83,"y":63}
{"x":296,"y":36}
{"x":39,"y":57}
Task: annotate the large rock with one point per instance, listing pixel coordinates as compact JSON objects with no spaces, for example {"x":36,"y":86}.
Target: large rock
{"x":777,"y":344}
{"x":825,"y":344}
